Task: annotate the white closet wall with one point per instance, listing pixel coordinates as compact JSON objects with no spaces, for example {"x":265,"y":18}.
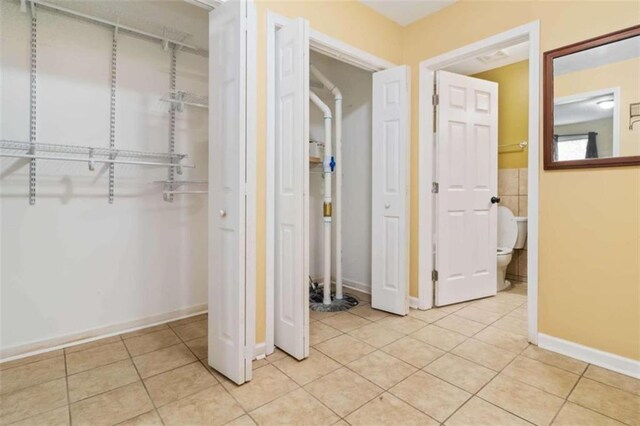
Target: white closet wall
{"x":355,"y":85}
{"x":72,"y":262}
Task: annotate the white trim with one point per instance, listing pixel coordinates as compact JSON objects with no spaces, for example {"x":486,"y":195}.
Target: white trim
{"x":73,"y":339}
{"x":356,"y":285}
{"x":251,"y":153}
{"x":331,"y":47}
{"x":413,"y":302}
{"x":427,"y":68}
{"x":617,"y":363}
{"x":616,"y":111}
{"x":328,"y":46}
{"x":260,"y":350}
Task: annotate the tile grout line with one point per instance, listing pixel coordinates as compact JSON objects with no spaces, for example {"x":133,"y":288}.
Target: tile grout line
{"x":518,"y":354}
{"x":450,"y":351}
{"x":444,"y":353}
{"x":206,"y":367}
{"x":476,"y":394}
{"x":361,"y":376}
{"x":144,"y":385}
{"x":566,"y":399}
{"x":66,"y":378}
{"x":72,"y":345}
{"x":342,"y":366}
{"x":582,"y":376}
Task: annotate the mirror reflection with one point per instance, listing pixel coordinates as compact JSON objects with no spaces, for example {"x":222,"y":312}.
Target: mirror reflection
{"x":596,"y":92}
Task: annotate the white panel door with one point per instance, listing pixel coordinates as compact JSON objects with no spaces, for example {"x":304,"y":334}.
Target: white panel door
{"x":227,"y":217}
{"x":291,"y":234}
{"x":467,"y":174}
{"x":390,"y":191}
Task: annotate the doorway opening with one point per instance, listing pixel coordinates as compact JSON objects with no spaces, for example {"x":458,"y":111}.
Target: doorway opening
{"x":509,"y":48}
{"x":346,"y":91}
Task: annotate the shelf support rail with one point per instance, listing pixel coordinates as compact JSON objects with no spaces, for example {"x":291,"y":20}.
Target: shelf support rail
{"x":112,"y":112}
{"x":32,"y":105}
{"x":168,"y":196}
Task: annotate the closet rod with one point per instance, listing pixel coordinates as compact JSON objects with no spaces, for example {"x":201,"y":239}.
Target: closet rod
{"x":98,"y":160}
{"x":118,"y":26}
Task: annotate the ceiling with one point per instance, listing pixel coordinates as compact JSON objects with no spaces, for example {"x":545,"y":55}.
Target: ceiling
{"x":581,"y":110}
{"x":598,"y":56}
{"x":492,"y":59}
{"x":404,"y":12}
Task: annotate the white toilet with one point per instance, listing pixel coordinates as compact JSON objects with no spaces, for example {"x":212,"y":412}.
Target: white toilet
{"x":512,"y":234}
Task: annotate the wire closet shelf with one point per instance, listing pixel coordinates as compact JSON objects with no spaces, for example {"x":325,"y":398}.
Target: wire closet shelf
{"x":91,"y":155}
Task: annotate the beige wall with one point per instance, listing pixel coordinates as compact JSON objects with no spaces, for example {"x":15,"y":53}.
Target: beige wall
{"x":349,"y":21}
{"x":623,"y":74}
{"x":589,"y":276}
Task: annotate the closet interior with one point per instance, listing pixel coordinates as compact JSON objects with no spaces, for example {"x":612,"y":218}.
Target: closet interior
{"x":340,"y":126}
{"x":103,"y":164}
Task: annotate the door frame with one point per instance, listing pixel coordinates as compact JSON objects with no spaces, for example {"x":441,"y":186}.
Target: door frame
{"x":328,"y":46}
{"x":529,"y":32}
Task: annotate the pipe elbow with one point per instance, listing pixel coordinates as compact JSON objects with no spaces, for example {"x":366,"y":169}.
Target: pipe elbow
{"x":321,"y":105}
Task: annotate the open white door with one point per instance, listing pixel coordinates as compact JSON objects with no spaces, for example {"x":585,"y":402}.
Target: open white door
{"x":467,"y":174}
{"x":291,"y":165}
{"x":390,"y":191}
{"x":229,"y":344}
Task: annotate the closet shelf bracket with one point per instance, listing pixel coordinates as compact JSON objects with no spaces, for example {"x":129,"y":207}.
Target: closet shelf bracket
{"x":170,"y":188}
{"x":179,"y":98}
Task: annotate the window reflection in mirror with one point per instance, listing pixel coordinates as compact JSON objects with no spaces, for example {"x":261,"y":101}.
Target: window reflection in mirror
{"x":593,"y":93}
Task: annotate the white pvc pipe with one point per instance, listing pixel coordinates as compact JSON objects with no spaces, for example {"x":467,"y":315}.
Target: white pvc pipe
{"x":338,"y":171}
{"x":327,"y":195}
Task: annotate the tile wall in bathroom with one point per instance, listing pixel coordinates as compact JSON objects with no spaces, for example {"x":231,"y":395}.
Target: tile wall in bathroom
{"x":512,"y":190}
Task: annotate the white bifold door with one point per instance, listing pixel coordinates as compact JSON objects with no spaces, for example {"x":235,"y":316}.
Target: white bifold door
{"x":230,"y":346}
{"x":291,"y":189}
{"x":466,"y":175}
{"x":390,"y":191}
{"x":289,"y":223}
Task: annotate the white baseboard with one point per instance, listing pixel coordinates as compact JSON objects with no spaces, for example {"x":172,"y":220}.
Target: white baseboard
{"x":620,"y":364}
{"x":59,"y":342}
{"x":413,"y":302}
{"x":355,"y":285}
{"x":260,"y":350}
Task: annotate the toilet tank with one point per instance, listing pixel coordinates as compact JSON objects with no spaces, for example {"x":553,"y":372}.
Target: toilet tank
{"x":522,"y":232}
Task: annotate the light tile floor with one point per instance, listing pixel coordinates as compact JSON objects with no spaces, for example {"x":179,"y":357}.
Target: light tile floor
{"x":467,"y":364}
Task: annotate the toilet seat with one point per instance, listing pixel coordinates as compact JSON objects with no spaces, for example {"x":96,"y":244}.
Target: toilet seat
{"x":504,"y":251}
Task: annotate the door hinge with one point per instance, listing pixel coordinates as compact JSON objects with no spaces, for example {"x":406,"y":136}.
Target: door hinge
{"x":435,"y":99}
{"x":434,"y":275}
{"x":435,"y":187}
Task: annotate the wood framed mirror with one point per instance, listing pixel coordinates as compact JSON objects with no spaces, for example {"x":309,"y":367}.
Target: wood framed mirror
{"x":592,"y":102}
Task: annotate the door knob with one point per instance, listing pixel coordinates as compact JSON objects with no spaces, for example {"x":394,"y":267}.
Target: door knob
{"x":223,"y":213}
{"x":495,"y":200}
{"x":386,"y":206}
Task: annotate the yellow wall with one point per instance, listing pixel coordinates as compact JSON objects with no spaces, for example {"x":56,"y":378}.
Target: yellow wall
{"x":349,"y":21}
{"x":623,"y":74}
{"x":589,"y":274}
{"x":513,"y":111}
